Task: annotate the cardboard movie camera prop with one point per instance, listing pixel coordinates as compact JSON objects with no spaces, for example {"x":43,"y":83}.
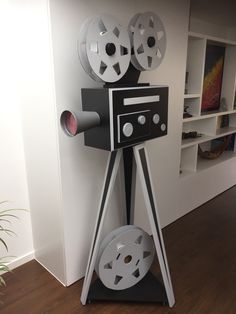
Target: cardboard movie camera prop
{"x":118,"y":117}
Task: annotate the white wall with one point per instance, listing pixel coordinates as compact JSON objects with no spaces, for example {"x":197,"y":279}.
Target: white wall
{"x":13,"y":183}
{"x":37,"y":103}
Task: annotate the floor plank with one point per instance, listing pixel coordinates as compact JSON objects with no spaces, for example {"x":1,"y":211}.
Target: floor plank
{"x":202,"y":258}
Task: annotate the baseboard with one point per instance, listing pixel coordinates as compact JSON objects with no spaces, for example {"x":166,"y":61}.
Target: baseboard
{"x":20,"y":260}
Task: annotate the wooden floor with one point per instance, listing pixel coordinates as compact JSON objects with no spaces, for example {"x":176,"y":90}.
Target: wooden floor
{"x":201,"y":249}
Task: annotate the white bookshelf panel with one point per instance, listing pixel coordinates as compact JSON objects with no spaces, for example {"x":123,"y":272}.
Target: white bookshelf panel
{"x":208,"y":124}
{"x":195,"y":65}
{"x":188,"y":163}
{"x":192,"y":95}
{"x":232,"y":120}
{"x":230,"y":128}
{"x":205,"y":115}
{"x":203,"y":164}
{"x":205,"y":126}
{"x":225,"y":131}
{"x":193,"y":141}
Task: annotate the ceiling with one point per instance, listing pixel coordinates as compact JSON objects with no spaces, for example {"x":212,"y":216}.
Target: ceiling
{"x":214,"y":11}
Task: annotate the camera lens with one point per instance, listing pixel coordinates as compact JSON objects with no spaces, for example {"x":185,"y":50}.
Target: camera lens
{"x":69,"y":123}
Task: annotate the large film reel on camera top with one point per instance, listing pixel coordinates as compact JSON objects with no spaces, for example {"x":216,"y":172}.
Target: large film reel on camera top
{"x":124,"y":258}
{"x":104,"y":48}
{"x":148,"y":40}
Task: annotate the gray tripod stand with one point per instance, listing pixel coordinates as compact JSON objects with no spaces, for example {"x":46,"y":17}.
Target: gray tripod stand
{"x":142,"y":166}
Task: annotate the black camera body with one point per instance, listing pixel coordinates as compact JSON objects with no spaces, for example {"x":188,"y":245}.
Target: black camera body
{"x":128,"y":115}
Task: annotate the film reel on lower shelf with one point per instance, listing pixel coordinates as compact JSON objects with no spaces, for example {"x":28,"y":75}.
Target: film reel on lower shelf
{"x":104,"y":48}
{"x":148,"y":41}
{"x":125,"y":256}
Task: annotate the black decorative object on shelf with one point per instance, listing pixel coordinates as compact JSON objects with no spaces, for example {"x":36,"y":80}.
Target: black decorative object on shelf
{"x":224,"y":121}
{"x":186,"y":113}
{"x":192,"y":134}
{"x":186,"y":82}
{"x":218,"y":146}
{"x":223,"y":104}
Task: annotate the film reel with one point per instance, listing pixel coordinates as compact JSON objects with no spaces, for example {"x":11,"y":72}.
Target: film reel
{"x":104,"y":48}
{"x":148,"y":41}
{"x":124,"y":258}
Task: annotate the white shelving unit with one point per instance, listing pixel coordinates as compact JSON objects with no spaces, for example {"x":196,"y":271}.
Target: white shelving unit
{"x":207,"y":123}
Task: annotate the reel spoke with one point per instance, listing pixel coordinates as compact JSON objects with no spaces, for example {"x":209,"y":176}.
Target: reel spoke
{"x":116,"y":32}
{"x":102,"y":28}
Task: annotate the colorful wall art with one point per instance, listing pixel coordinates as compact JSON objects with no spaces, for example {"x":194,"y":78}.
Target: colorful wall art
{"x":213,"y":74}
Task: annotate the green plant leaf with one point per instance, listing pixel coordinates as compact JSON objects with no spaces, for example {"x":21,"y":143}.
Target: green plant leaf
{"x":7,"y":231}
{"x":9,"y":215}
{"x":2,"y":281}
{"x":2,"y":202}
{"x":13,"y":209}
{"x":5,"y":220}
{"x":6,"y":215}
{"x":4,"y":212}
{"x":2,"y":259}
{"x":4,"y":268}
{"x":4,"y":243}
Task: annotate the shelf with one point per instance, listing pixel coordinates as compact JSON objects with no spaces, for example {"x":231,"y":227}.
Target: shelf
{"x":219,"y":133}
{"x":212,"y":38}
{"x":206,"y":123}
{"x":204,"y":164}
{"x":192,"y":96}
{"x":192,"y":104}
{"x":225,"y":131}
{"x":216,"y":113}
{"x":209,"y":115}
{"x":194,"y":141}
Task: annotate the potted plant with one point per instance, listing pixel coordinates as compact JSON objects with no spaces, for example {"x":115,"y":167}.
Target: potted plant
{"x":6,"y":216}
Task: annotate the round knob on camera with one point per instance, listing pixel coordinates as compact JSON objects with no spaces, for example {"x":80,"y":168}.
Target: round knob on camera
{"x":128,"y":129}
{"x":141,"y":119}
{"x":163,"y":127}
{"x":156,"y":118}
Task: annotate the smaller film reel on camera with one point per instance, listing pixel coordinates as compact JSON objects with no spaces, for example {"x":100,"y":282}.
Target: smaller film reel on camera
{"x":104,"y":48}
{"x":124,"y":258}
{"x":148,"y":41}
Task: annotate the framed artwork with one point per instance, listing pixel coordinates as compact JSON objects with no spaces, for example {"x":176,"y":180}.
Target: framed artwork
{"x":213,"y":73}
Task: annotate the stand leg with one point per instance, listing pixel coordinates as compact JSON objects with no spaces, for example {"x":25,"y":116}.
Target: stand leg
{"x":129,"y":183}
{"x":111,"y":172}
{"x":145,"y":178}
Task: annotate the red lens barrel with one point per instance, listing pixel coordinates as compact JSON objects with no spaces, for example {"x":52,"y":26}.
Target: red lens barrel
{"x":69,"y":123}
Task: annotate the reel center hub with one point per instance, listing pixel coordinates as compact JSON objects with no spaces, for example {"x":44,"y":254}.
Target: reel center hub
{"x":128,"y":259}
{"x":151,"y":41}
{"x":110,"y":49}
